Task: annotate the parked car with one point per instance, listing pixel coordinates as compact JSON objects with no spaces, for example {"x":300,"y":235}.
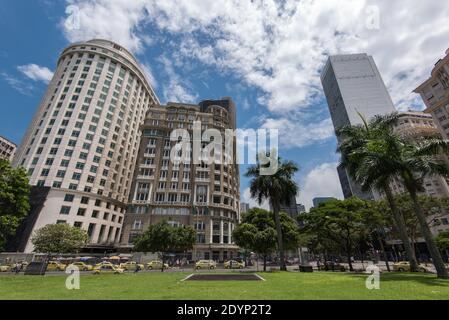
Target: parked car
{"x":233,"y":264}
{"x":55,"y":266}
{"x":205,"y":264}
{"x":131,"y":265}
{"x":332,"y":266}
{"x":5,"y":268}
{"x":404,"y":266}
{"x":82,"y":266}
{"x":156,"y":264}
{"x":105,"y":263}
{"x":107,"y":269}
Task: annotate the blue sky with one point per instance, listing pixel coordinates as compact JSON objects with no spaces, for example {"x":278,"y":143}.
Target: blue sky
{"x":266,"y":55}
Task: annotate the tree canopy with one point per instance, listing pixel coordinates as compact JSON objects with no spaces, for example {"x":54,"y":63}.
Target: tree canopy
{"x":14,"y":200}
{"x":59,"y":238}
{"x":442,"y":240}
{"x":164,"y":238}
{"x":340,"y":225}
{"x":257,"y":232}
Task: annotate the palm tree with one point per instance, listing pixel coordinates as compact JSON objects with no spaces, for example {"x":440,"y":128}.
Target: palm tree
{"x":420,"y":160}
{"x":360,"y":148}
{"x":278,"y":188}
{"x":383,"y":156}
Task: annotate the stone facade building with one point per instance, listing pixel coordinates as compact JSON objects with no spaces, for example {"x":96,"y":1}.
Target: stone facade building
{"x":7,"y":149}
{"x":204,"y":196}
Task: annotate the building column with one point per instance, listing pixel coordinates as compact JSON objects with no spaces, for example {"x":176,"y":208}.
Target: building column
{"x":221,"y":231}
{"x":211,"y":235}
{"x":229,"y":233}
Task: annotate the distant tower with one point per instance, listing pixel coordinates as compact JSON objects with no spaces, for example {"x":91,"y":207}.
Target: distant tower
{"x":352,"y":84}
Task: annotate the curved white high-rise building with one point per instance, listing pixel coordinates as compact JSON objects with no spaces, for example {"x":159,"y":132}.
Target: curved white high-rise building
{"x":82,"y":143}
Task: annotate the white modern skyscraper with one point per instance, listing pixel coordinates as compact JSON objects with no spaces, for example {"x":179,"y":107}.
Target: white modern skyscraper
{"x":352,"y":84}
{"x":82,"y":143}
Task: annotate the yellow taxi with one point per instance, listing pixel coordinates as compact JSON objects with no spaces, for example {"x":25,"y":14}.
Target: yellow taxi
{"x":156,"y":264}
{"x":105,"y":263}
{"x":5,"y":268}
{"x":404,"y":266}
{"x":234,"y":264}
{"x":82,"y":266}
{"x":105,"y":269}
{"x":55,"y":266}
{"x":131,"y":265}
{"x":205,"y":264}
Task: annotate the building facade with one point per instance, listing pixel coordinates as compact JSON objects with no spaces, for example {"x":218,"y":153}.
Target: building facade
{"x":7,"y":149}
{"x":435,"y":94}
{"x":199,"y":194}
{"x":318,"y":200}
{"x":352,"y":84}
{"x":83,"y":140}
{"x":244,"y":207}
{"x":415,"y":125}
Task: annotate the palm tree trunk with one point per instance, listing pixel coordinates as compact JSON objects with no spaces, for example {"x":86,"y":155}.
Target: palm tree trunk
{"x":384,"y":253}
{"x":402,"y":230}
{"x":277,"y":220}
{"x":264,"y":263}
{"x":425,"y":230}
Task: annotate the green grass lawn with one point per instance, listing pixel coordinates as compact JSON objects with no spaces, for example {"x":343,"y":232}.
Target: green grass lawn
{"x":289,"y":286}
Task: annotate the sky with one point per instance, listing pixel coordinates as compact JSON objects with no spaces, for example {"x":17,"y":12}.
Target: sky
{"x":266,"y":55}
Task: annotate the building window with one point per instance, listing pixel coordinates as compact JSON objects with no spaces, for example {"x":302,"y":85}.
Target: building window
{"x":64,"y":210}
{"x":69,"y":197}
{"x":137,"y":225}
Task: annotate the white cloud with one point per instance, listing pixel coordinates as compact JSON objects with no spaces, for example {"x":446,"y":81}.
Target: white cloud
{"x":176,"y":89}
{"x":116,"y":20}
{"x":298,"y":133}
{"x":17,"y":84}
{"x":253,"y":203}
{"x":279,"y":47}
{"x":36,"y":73}
{"x":321,"y":181}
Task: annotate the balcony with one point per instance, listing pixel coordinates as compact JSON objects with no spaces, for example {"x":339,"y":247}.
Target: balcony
{"x":147,"y":166}
{"x":149,"y":155}
{"x":141,"y":201}
{"x":142,"y":177}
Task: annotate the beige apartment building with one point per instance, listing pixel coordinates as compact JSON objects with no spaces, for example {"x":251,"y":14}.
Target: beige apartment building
{"x":7,"y":149}
{"x":415,"y":125}
{"x":204,"y":196}
{"x":435,"y":94}
{"x":81,"y":147}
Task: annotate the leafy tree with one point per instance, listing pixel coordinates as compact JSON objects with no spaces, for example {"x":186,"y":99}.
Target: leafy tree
{"x":59,"y":238}
{"x":376,"y":159}
{"x":14,"y":200}
{"x":442,"y":240}
{"x":257,"y":232}
{"x":431,"y":207}
{"x":341,"y":222}
{"x":262,"y":242}
{"x":366,"y":151}
{"x":164,"y":238}
{"x":279,"y":188}
{"x":377,"y":223}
